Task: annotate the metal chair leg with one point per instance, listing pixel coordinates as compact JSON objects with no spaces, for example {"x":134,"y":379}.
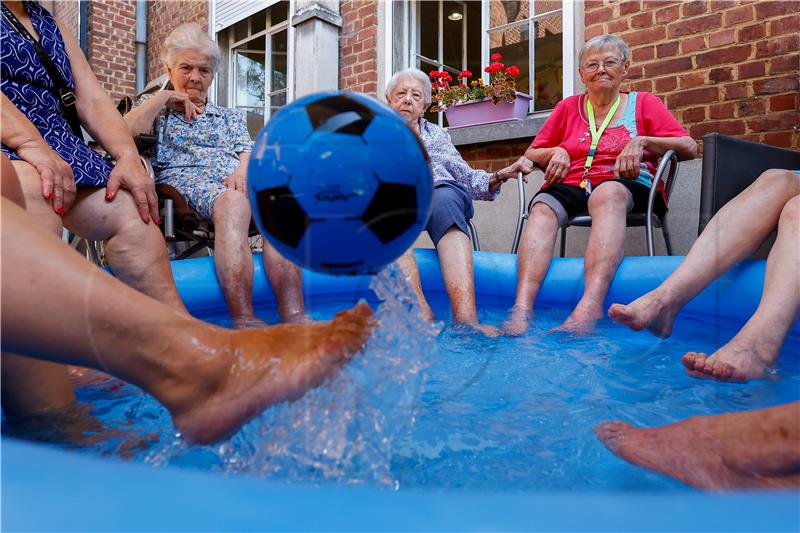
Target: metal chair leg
{"x":563,"y":241}
{"x":473,"y":235}
{"x":667,"y":240}
{"x":649,"y":231}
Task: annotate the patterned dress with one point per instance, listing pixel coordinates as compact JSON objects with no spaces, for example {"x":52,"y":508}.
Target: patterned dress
{"x":195,"y":157}
{"x":25,"y":82}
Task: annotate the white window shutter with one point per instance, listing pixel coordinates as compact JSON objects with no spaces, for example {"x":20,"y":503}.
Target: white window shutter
{"x":229,"y":12}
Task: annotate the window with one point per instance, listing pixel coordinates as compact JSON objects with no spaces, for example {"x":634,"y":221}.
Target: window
{"x":456,"y":35}
{"x":254,"y":74}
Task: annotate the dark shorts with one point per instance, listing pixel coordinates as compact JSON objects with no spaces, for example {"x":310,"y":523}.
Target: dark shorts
{"x":451,"y":206}
{"x":568,"y":201}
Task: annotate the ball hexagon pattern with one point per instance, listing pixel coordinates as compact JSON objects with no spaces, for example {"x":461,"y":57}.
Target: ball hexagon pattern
{"x":339,"y":183}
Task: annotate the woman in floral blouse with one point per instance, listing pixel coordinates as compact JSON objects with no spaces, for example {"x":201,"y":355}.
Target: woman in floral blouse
{"x":202,"y":152}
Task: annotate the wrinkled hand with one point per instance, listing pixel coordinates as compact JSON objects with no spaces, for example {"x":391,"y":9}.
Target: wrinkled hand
{"x":58,"y":182}
{"x":180,"y":102}
{"x":628,"y":161}
{"x":237,"y":181}
{"x":129,"y":174}
{"x":523,"y":164}
{"x":558,"y":167}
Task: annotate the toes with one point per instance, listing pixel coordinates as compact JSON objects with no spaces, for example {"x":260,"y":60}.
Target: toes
{"x":612,"y":433}
{"x":694,"y":361}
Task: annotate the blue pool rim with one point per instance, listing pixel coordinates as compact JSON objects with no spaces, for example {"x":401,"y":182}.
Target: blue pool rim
{"x":45,"y":489}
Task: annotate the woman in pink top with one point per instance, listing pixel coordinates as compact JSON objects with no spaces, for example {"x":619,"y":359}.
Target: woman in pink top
{"x":599,"y":150}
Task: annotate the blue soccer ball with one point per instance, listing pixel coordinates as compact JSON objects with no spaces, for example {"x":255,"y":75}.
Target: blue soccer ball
{"x":339,"y":183}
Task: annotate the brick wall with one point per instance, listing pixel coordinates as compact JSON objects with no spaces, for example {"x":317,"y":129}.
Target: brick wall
{"x":358,"y":62}
{"x":495,"y":155}
{"x":67,"y":13}
{"x":729,"y":66}
{"x":111,"y":28}
{"x":163,"y":16}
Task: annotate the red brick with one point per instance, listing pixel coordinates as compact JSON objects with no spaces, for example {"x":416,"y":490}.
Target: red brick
{"x":645,"y":53}
{"x":618,"y":25}
{"x":778,"y":46}
{"x":667,"y":84}
{"x":642,"y":20}
{"x":667,"y":49}
{"x":739,"y":15}
{"x":753,"y":69}
{"x":597,"y":16}
{"x":667,"y":14}
{"x":772,"y":8}
{"x":717,"y":75}
{"x":751,"y":106}
{"x":593,"y":31}
{"x":695,"y":25}
{"x":752,"y":33}
{"x":780,"y":139}
{"x":693,"y":96}
{"x":718,"y":111}
{"x":694,"y":114}
{"x":654,"y":4}
{"x":648,"y":36}
{"x":790,"y":24}
{"x":731,"y":54}
{"x":721,"y":38}
{"x":692,"y":79}
{"x":784,"y":64}
{"x":693,"y":44}
{"x":775,"y":85}
{"x":726,"y":127}
{"x":668,"y":66}
{"x":734,"y":91}
{"x":784,"y":102}
{"x":643,"y":85}
{"x":694,"y":7}
{"x":635,"y":72}
{"x":774,"y":122}
{"x":629,"y":6}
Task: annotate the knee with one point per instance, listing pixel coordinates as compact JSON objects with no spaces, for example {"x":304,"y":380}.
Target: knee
{"x":790,"y":215}
{"x":542,"y":212}
{"x":231,"y":206}
{"x":780,"y":178}
{"x":611,"y":195}
{"x":122,"y":219}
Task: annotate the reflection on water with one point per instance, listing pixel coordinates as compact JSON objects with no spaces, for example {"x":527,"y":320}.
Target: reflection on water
{"x":453,"y":410}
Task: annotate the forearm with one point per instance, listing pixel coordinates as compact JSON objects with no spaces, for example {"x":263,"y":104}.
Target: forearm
{"x":140,"y":119}
{"x":244,"y":158}
{"x":104,"y":123}
{"x":540,"y":156}
{"x":16,"y":129}
{"x":685,"y":146}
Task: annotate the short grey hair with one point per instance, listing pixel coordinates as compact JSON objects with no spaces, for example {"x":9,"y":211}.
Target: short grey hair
{"x":415,"y":74}
{"x":190,"y":36}
{"x":602,"y":41}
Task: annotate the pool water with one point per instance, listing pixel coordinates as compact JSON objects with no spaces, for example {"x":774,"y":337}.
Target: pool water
{"x":442,"y":406}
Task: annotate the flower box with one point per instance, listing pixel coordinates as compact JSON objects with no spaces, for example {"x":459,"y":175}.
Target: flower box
{"x":485,"y":112}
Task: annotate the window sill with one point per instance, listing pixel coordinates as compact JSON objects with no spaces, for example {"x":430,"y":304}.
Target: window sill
{"x":526,"y":128}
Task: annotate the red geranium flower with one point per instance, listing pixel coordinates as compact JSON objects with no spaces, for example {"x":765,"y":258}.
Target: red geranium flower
{"x":512,"y":71}
{"x":494,"y":67}
{"x":496,"y":57}
{"x":433,"y":74}
{"x":465,"y":74}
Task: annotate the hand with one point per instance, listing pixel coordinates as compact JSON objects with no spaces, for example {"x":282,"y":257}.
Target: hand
{"x":58,"y":182}
{"x":180,"y":102}
{"x":129,"y":174}
{"x":237,"y":181}
{"x":628,"y":161}
{"x":558,"y":167}
{"x":523,"y":164}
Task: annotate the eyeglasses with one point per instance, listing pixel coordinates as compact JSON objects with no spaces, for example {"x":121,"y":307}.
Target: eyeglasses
{"x":608,"y":64}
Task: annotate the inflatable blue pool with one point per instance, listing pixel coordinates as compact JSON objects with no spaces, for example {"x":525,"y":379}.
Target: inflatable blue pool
{"x":45,"y":488}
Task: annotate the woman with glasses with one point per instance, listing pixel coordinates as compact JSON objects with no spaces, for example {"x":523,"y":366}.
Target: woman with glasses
{"x":599,"y":151}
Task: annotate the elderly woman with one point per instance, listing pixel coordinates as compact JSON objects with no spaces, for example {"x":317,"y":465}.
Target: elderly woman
{"x":600,"y":151}
{"x":64,"y":182}
{"x":455,"y":186}
{"x":203,"y":152}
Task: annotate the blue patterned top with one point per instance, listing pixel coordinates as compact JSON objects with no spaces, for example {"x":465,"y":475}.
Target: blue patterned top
{"x":447,"y":163}
{"x":25,"y":82}
{"x":209,"y":145}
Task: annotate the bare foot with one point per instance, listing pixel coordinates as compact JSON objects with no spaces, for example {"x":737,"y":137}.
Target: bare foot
{"x":742,"y":359}
{"x":649,"y":311}
{"x":248,"y":322}
{"x":297,"y":318}
{"x":517,"y":322}
{"x":259,"y":368}
{"x":486,"y":329}
{"x":737,"y":450}
{"x":581,"y":321}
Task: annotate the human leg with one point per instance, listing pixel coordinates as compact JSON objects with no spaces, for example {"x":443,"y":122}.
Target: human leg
{"x":728,"y":238}
{"x":757,"y":345}
{"x":407,"y":263}
{"x":730,"y":451}
{"x":286,"y":280}
{"x":608,"y":206}
{"x":211,"y":380}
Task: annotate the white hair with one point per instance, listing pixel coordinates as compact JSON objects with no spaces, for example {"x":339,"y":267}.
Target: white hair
{"x":190,"y":36}
{"x":602,"y":41}
{"x":415,"y":74}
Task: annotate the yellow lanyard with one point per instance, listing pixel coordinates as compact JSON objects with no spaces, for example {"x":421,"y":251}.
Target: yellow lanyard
{"x":586,"y":184}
